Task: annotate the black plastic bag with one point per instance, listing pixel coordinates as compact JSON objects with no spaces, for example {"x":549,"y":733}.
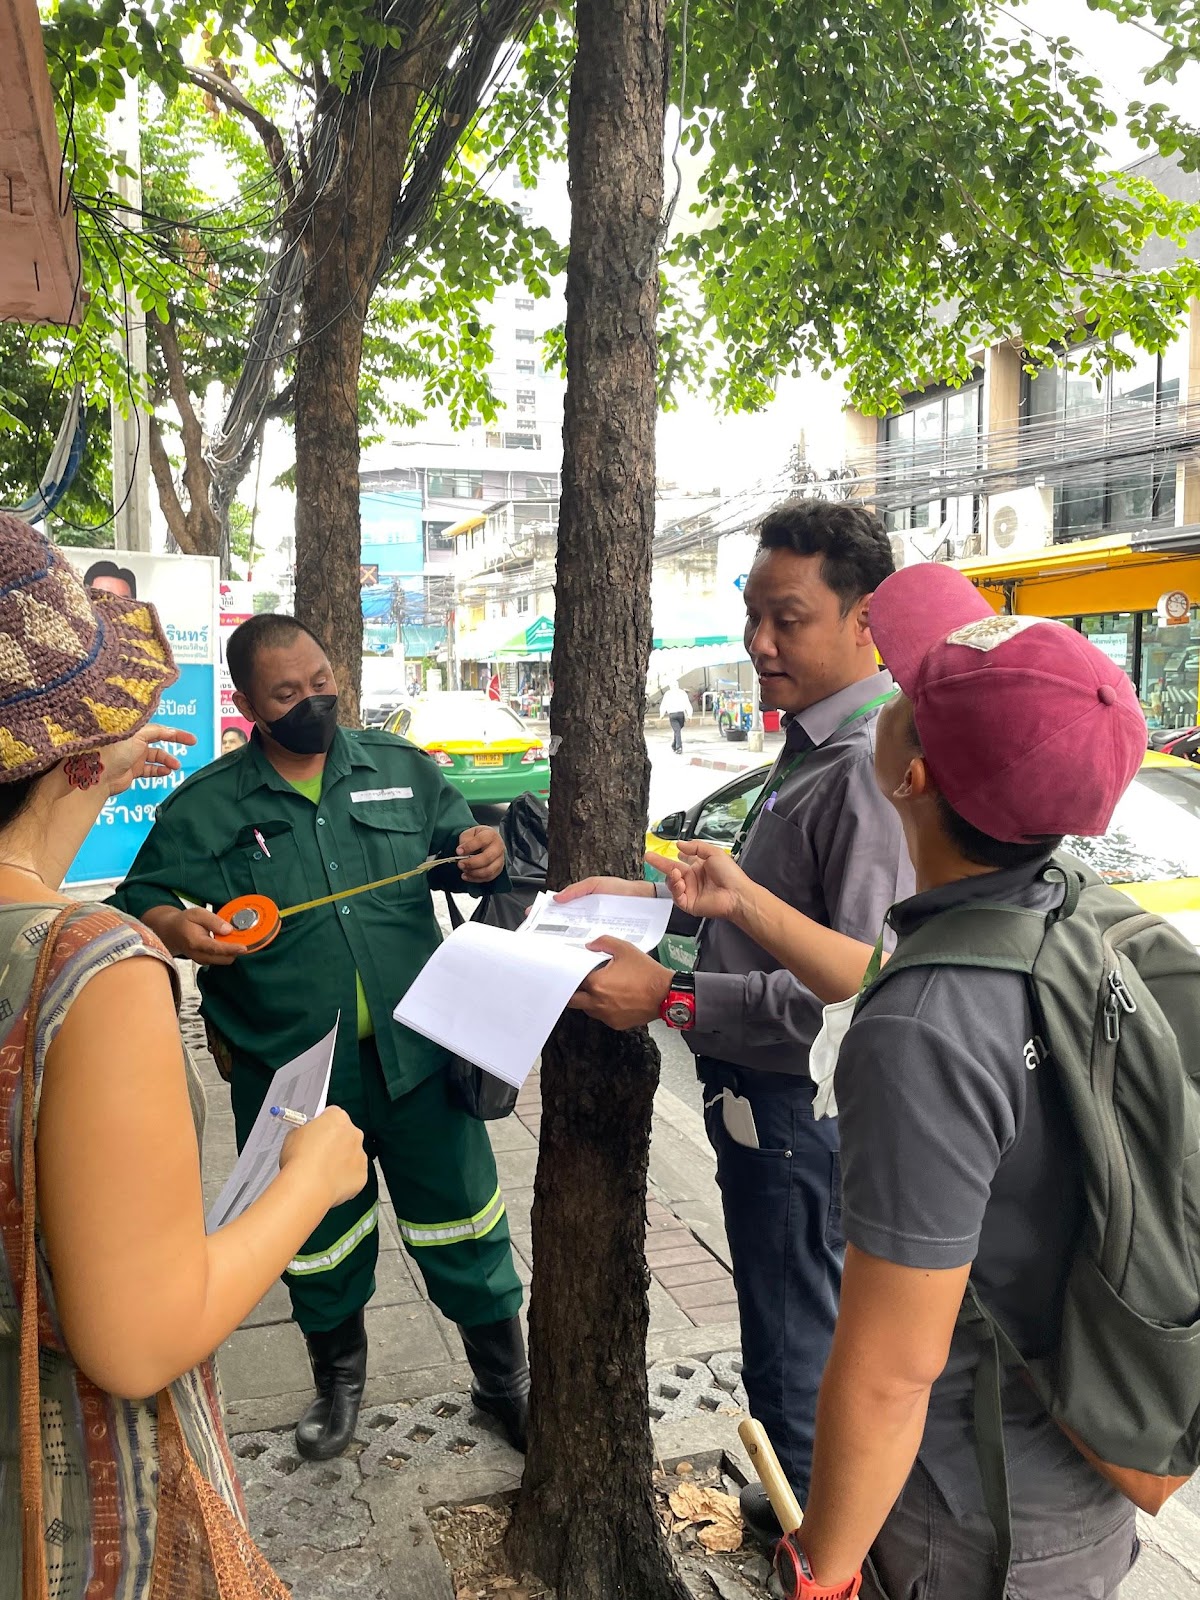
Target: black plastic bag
{"x":524,"y":831}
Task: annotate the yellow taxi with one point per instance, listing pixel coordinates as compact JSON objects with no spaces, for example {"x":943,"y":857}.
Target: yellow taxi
{"x":487,"y":752}
{"x":1151,"y":850}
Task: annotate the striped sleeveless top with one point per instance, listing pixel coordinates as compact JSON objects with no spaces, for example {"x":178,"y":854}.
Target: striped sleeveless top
{"x":99,"y":1454}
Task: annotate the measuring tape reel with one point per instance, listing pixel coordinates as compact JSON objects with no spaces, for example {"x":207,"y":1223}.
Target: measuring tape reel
{"x":255,"y":921}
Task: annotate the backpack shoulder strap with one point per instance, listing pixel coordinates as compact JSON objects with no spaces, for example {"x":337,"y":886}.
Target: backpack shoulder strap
{"x":1001,"y":937}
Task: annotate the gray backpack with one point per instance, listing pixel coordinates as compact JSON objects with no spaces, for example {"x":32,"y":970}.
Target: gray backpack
{"x":1115,"y":994}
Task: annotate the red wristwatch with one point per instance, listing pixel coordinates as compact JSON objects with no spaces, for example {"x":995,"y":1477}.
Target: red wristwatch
{"x":678,"y":1010}
{"x":797,"y":1581}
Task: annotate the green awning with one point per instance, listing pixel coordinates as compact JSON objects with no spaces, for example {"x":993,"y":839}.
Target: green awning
{"x":532,"y":643}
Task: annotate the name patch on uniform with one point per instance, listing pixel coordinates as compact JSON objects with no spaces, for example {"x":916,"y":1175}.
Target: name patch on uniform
{"x":361,"y":795}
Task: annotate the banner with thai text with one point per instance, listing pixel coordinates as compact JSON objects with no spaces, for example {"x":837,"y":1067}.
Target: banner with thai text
{"x":183,"y":590}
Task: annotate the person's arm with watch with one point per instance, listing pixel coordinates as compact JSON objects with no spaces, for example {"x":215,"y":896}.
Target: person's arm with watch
{"x":678,"y":1009}
{"x":891,"y":1343}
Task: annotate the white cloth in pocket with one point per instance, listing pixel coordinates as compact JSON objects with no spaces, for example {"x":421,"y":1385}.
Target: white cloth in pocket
{"x":823,"y":1057}
{"x":737,"y":1115}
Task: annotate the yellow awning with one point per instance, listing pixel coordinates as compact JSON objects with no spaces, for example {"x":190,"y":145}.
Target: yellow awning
{"x":1083,"y":577}
{"x":465,"y":526}
{"x":1050,"y":558}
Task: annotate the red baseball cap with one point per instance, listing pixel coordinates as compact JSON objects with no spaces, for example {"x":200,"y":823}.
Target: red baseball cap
{"x":1027,"y":728}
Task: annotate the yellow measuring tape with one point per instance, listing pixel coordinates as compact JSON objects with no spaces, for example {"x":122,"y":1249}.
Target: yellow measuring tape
{"x":380,"y":883}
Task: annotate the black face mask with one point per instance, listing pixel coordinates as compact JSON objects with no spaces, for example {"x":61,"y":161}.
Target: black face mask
{"x":308,"y":728}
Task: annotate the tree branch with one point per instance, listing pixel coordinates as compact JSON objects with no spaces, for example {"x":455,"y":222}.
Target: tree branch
{"x":202,"y":525}
{"x":284,"y":403}
{"x":168,"y":497}
{"x":507,"y":20}
{"x":221,"y":89}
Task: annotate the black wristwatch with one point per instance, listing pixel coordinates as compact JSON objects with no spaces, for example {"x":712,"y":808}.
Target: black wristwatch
{"x":678,"y":1010}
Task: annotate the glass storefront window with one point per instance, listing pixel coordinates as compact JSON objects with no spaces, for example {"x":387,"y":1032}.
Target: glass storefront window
{"x":1113,"y":632}
{"x":931,"y":442}
{"x":1095,"y":439}
{"x":1170,"y":670}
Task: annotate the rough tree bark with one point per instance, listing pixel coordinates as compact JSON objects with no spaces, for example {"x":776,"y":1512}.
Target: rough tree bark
{"x":359,"y":214}
{"x":346,"y":234}
{"x":585,"y":1521}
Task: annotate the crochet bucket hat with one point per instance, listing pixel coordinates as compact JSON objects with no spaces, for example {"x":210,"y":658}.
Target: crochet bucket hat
{"x":78,"y":669}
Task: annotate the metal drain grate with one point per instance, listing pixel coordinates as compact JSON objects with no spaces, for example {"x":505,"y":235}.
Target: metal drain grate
{"x":293,"y":1503}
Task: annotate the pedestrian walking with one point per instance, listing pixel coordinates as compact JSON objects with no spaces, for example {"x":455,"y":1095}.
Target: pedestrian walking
{"x":822,"y":836}
{"x":307,"y":809}
{"x":677,"y":708}
{"x":103,"y":1254}
{"x":1013,"y":1368}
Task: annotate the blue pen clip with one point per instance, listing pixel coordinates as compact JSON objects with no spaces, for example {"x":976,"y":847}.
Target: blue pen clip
{"x":770,"y":805}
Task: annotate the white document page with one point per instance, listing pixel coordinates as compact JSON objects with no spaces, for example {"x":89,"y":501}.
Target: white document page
{"x":636,"y":919}
{"x":492,"y":996}
{"x":301,"y":1085}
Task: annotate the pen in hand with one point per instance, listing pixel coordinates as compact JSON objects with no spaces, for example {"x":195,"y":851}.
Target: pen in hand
{"x":286,"y":1114}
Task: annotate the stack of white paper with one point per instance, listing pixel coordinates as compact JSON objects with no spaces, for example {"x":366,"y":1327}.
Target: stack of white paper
{"x":493,"y":996}
{"x":302,"y":1085}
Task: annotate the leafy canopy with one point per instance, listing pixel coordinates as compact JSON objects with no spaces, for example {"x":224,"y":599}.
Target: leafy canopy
{"x":883,"y":185}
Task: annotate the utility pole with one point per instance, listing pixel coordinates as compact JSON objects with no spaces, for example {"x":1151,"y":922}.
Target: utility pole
{"x":130,"y":434}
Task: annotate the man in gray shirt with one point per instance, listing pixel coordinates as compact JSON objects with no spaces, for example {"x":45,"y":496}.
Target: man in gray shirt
{"x":823,"y":838}
{"x":960,"y":1156}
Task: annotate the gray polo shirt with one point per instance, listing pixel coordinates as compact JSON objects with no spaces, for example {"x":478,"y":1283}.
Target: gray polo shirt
{"x":832,"y":847}
{"x":957,"y":1148}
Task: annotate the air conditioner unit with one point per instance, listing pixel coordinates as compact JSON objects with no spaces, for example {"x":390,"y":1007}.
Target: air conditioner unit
{"x":1022,"y":519}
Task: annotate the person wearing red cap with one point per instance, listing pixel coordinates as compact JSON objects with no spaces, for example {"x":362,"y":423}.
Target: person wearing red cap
{"x":958,"y":1155}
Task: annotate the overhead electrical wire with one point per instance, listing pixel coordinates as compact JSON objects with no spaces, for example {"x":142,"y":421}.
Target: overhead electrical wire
{"x":1064,"y":454}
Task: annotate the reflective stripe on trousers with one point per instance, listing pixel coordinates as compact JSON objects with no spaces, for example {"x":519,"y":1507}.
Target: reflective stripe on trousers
{"x":326,"y":1260}
{"x":420,"y":1234}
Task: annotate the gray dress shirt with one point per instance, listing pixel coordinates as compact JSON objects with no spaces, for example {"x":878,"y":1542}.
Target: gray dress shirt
{"x":831,"y":846}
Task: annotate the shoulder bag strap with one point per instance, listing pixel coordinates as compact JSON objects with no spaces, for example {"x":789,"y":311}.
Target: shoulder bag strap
{"x":34,"y":1581}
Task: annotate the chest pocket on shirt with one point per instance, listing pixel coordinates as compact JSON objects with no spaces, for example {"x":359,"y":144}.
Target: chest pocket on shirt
{"x":394,"y":838}
{"x":779,"y":856}
{"x":249,"y":869}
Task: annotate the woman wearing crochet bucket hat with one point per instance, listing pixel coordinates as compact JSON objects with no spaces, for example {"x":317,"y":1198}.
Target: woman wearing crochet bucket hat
{"x":110,"y":1290}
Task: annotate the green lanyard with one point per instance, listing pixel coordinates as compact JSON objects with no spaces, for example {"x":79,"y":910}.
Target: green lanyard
{"x":779,"y":776}
{"x":874,"y":965}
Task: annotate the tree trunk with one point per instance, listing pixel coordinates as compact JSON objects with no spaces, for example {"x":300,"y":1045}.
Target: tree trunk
{"x":350,"y":224}
{"x":328,"y":532}
{"x":585,"y":1521}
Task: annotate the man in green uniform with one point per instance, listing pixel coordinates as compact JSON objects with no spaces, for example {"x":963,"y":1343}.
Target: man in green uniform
{"x":302,"y":811}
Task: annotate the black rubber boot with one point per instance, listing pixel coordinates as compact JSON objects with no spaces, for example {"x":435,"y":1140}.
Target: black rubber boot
{"x":496,"y":1351}
{"x":339,"y":1365}
{"x":759,"y":1516}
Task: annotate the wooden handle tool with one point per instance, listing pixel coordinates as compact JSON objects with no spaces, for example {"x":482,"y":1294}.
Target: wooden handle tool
{"x":766,"y":1463}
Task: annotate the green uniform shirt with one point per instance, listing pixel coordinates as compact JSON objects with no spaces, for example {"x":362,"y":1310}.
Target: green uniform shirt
{"x":311,"y":788}
{"x":384,"y":807}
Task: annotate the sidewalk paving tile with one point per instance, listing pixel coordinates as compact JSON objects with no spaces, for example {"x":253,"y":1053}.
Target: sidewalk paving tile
{"x":692,"y":1296}
{"x":723,"y":1313}
{"x":710,"y":1271}
{"x":668,"y":1256}
{"x":517,"y":1168}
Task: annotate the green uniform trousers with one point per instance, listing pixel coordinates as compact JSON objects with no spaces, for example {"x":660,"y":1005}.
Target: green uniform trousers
{"x":440,"y":1173}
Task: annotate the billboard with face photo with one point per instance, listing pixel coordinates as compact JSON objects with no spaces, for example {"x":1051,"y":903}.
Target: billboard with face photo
{"x":184,"y":591}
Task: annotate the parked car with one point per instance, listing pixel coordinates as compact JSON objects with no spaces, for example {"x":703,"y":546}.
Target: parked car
{"x":487,"y":752}
{"x":1183,"y":742}
{"x":1152,"y":848}
{"x":377,"y":708}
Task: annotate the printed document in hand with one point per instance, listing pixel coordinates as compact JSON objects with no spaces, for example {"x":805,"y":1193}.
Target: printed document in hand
{"x":493,"y":996}
{"x":301,"y":1085}
{"x":638,"y":921}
